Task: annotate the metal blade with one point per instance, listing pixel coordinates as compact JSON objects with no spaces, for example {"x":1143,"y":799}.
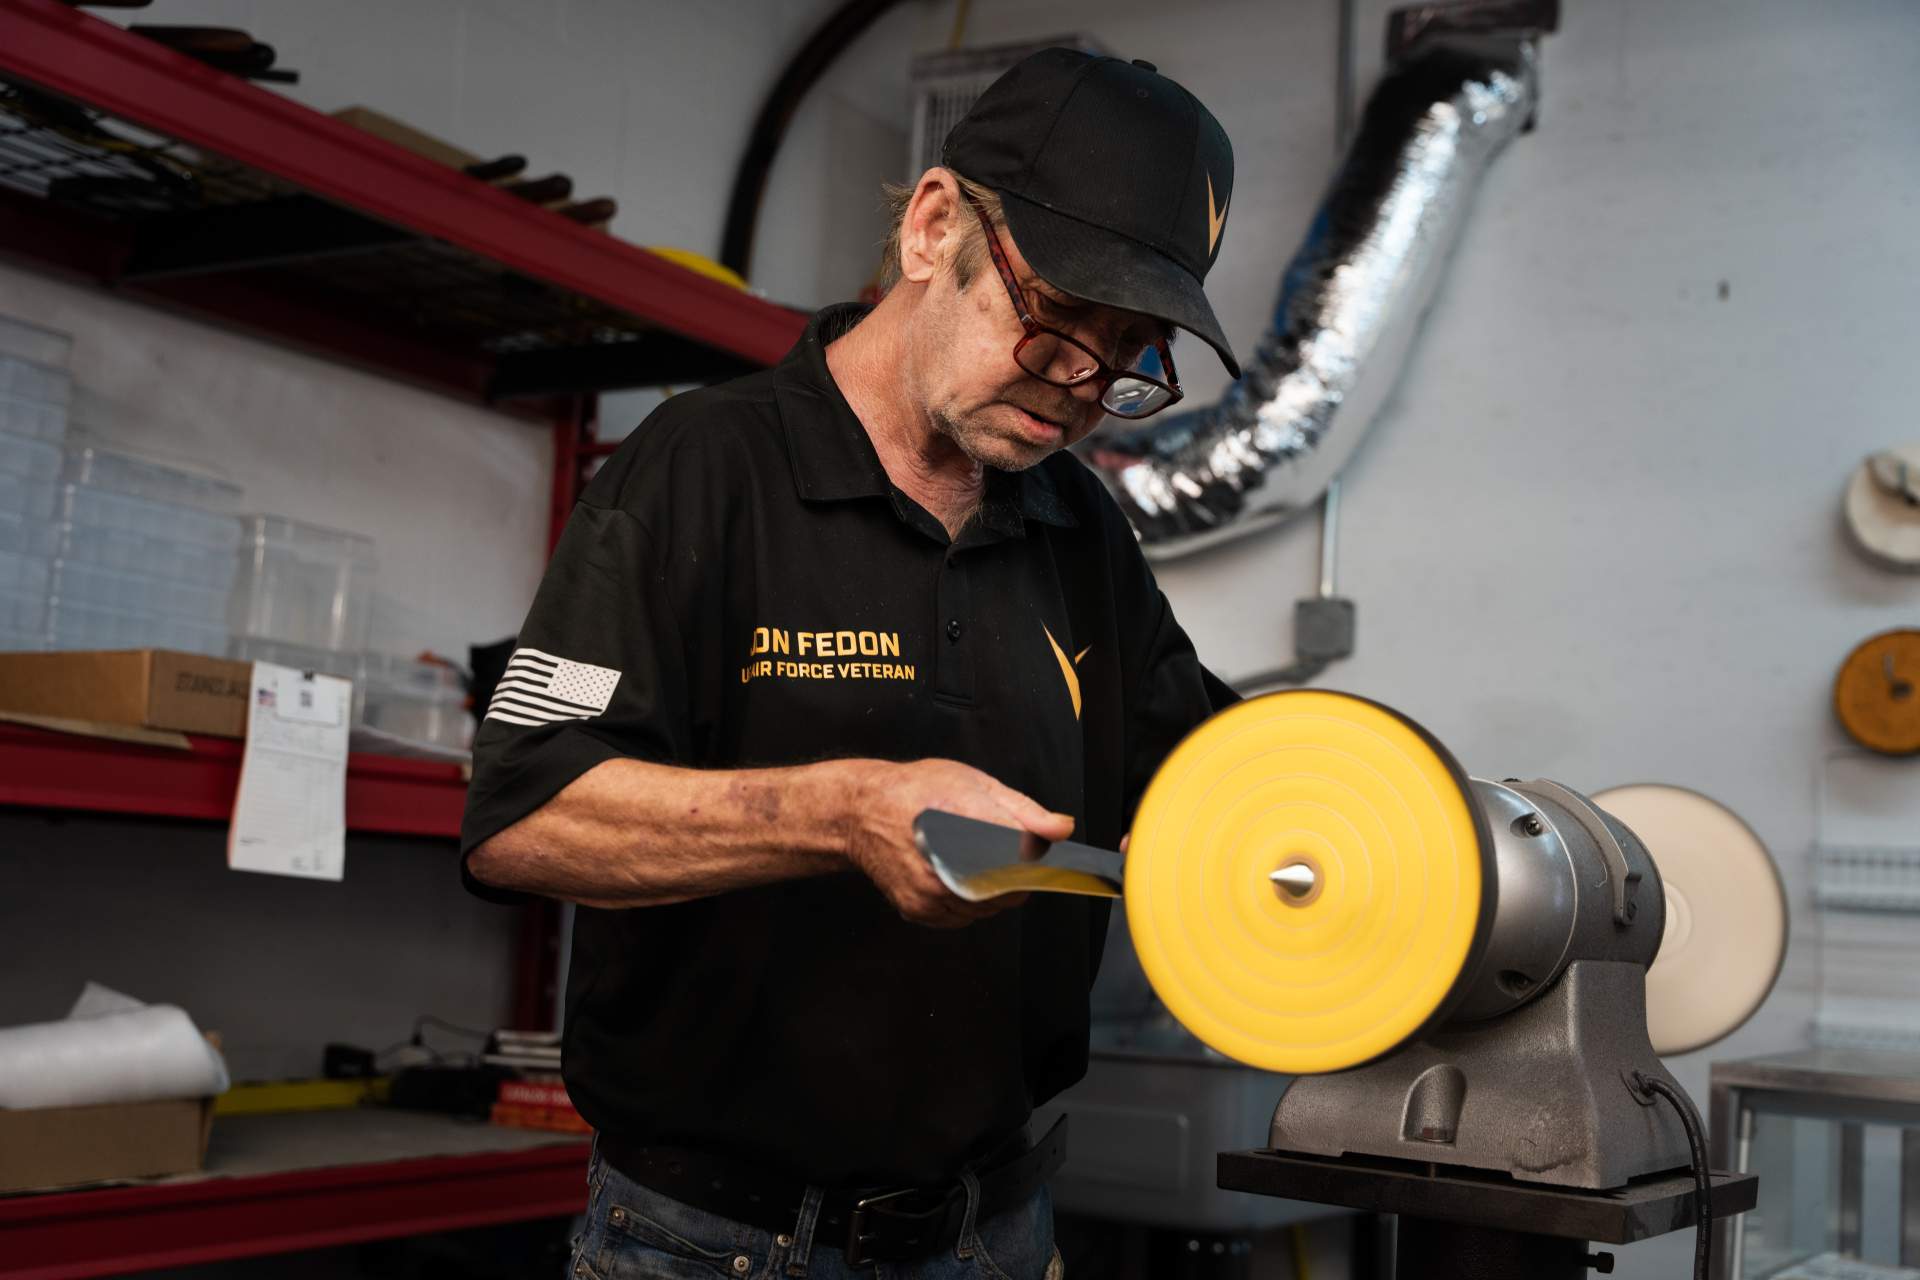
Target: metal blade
{"x":980,"y":860}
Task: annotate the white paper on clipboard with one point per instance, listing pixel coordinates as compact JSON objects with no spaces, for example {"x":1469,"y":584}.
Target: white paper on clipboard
{"x":290,"y":814}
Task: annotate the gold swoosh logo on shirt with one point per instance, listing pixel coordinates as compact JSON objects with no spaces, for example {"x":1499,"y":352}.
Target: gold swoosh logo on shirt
{"x":1216,"y":222}
{"x":1067,"y":668}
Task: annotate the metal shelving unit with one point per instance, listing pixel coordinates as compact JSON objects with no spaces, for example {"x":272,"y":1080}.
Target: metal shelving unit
{"x":41,"y":769}
{"x":128,"y":166}
{"x":315,"y":1180}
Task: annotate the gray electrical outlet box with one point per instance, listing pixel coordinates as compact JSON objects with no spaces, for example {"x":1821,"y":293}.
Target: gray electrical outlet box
{"x":1323,"y":628}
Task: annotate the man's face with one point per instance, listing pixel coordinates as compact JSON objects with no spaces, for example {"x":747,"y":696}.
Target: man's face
{"x":998,"y":413}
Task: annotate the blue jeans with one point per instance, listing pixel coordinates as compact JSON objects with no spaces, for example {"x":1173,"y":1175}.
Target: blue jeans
{"x":634,"y":1233}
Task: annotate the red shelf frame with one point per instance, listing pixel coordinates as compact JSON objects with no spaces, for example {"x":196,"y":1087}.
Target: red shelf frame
{"x":40,"y":769}
{"x":50,"y":45}
{"x":114,"y":1231}
{"x":82,"y":57}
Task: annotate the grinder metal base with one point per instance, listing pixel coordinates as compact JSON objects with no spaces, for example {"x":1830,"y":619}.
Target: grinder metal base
{"x":1542,"y":1093}
{"x":1482,"y":1226}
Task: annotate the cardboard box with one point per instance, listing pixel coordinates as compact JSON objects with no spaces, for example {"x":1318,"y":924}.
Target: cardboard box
{"x":144,"y":688}
{"x":63,"y":1146}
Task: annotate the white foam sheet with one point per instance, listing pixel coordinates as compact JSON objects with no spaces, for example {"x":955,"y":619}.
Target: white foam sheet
{"x":111,"y":1048}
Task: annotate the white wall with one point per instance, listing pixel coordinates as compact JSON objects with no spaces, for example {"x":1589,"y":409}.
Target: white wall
{"x":1594,"y":537}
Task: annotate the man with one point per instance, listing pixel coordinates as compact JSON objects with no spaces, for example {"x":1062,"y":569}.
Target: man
{"x":798,"y":609}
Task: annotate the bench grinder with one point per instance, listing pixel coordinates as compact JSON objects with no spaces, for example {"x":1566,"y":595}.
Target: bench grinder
{"x":1455,"y":971}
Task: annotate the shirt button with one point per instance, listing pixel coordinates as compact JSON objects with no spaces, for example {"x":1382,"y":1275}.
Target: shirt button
{"x":953,"y":629}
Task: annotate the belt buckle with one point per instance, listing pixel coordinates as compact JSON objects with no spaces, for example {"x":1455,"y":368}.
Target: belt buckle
{"x":857,"y":1236}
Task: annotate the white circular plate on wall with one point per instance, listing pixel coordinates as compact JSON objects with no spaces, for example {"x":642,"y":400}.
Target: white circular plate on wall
{"x":1883,"y":508}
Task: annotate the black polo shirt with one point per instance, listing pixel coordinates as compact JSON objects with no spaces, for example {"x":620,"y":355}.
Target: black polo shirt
{"x":742,"y":586}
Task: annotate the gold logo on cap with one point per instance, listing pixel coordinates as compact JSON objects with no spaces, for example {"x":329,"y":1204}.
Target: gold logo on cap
{"x":1216,"y":222}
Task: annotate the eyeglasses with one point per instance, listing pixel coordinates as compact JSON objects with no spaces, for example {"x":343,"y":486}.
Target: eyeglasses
{"x":1129,"y":389}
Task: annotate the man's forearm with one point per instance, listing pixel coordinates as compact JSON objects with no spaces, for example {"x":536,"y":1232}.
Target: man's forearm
{"x":627,"y":833}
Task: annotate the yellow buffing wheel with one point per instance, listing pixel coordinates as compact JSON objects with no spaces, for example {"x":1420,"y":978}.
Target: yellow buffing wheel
{"x":1388,"y":881}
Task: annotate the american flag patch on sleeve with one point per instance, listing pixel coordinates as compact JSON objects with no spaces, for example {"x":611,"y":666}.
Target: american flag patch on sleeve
{"x":539,"y":688}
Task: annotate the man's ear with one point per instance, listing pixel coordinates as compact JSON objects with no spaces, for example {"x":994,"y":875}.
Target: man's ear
{"x":931,"y":226}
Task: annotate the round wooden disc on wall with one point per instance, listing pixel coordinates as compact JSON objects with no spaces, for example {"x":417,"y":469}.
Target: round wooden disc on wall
{"x":1877,"y":693}
{"x":1883,"y":508}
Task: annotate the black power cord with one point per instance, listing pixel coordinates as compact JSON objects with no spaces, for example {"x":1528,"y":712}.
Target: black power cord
{"x":770,"y":126}
{"x":1697,"y":1144}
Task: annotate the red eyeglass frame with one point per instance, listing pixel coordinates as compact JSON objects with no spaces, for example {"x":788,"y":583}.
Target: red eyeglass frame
{"x":1103,"y":371}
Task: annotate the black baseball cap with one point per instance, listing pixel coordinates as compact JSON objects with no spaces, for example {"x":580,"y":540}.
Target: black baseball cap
{"x":1115,"y":181}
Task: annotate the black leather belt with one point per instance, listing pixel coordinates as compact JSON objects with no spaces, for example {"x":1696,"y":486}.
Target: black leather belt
{"x":881,"y":1223}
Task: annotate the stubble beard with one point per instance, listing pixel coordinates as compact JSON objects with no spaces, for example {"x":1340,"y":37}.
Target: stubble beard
{"x":985,"y":445}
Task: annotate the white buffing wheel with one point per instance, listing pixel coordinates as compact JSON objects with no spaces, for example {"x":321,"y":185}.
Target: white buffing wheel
{"x":1726,"y":929}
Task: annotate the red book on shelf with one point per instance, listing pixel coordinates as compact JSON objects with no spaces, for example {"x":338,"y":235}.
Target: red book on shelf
{"x":535,"y":1093}
{"x":554,"y":1119}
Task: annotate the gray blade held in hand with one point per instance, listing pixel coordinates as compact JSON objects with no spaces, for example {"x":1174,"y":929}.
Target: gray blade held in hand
{"x":980,"y":860}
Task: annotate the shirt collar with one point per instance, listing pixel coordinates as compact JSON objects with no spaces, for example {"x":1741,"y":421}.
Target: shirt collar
{"x":833,"y":456}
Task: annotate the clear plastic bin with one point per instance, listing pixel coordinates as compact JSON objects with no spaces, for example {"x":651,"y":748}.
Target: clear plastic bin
{"x":29,"y":471}
{"x":33,"y":382}
{"x":330,"y":662}
{"x":84,"y":583}
{"x":25,"y":497}
{"x":419,"y":701}
{"x":33,"y":418}
{"x":18,"y":535}
{"x":75,"y":625}
{"x":23,"y":611}
{"x":31,"y":342}
{"x":300,"y":657}
{"x":29,"y":459}
{"x":23,"y":599}
{"x":303,"y":584}
{"x":99,"y":467}
{"x":198,"y":563}
{"x":24,"y":573}
{"x":82,"y":504}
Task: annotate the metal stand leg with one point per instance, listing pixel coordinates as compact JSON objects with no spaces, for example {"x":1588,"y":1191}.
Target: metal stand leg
{"x":1910,"y":1197}
{"x":1370,"y":1256}
{"x":1431,"y":1250}
{"x":1187,"y":1255}
{"x":1852,"y":1166}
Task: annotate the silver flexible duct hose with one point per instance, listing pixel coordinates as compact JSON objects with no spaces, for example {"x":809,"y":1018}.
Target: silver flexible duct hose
{"x":1350,"y":304}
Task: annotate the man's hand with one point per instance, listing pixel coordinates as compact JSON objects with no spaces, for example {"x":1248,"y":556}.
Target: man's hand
{"x":886,"y":798}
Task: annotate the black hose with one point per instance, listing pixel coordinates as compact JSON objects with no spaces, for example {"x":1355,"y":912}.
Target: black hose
{"x":1697,"y":1144}
{"x":750,"y":180}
